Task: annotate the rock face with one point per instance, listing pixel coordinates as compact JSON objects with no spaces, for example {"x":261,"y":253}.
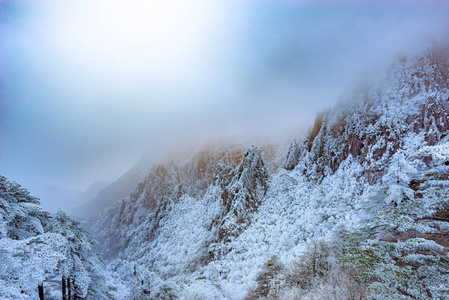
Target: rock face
{"x":411,"y":99}
{"x":292,"y":159}
{"x":243,"y":195}
{"x":164,"y":186}
{"x":113,"y":192}
{"x":241,"y":188}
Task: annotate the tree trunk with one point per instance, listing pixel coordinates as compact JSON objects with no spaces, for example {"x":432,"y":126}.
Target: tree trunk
{"x":40,"y":288}
{"x":64,"y":295}
{"x":69,"y":290}
{"x":75,"y":295}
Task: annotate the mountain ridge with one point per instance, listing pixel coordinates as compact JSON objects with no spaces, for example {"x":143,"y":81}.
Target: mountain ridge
{"x":112,"y":192}
{"x":365,"y":167}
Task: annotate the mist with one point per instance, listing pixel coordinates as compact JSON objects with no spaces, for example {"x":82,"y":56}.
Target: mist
{"x":88,"y":87}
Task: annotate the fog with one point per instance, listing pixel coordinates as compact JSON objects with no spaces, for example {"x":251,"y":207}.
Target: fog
{"x":87,"y":87}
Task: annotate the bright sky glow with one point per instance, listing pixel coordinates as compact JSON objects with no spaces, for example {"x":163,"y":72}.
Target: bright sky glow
{"x":119,"y":46}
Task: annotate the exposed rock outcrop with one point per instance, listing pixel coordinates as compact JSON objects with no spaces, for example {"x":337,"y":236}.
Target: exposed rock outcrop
{"x":243,"y":195}
{"x":412,"y":99}
{"x":292,"y":159}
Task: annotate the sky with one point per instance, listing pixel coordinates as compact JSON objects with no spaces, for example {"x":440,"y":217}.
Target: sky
{"x":87,"y":87}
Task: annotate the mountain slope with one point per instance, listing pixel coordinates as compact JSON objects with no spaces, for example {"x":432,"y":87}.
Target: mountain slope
{"x":54,"y":197}
{"x":372,"y":169}
{"x":113,"y":192}
{"x":412,"y":99}
{"x":94,"y":189}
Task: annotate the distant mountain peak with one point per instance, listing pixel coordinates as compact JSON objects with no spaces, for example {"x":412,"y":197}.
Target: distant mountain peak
{"x":94,"y":189}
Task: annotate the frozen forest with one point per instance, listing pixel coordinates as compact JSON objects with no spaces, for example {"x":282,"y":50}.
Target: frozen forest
{"x":357,"y":209}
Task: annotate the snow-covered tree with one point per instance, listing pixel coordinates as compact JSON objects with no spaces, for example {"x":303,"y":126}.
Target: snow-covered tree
{"x":82,"y":267}
{"x":35,"y":248}
{"x":397,"y":179}
{"x":29,"y":253}
{"x":269,"y":278}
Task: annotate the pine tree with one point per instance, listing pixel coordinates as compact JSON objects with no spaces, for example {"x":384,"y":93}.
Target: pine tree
{"x":36,"y":247}
{"x":269,"y":279}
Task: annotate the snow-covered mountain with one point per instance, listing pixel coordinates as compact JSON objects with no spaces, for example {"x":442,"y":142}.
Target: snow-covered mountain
{"x":113,"y":192}
{"x":94,"y":189}
{"x":53,"y":197}
{"x":369,"y":182}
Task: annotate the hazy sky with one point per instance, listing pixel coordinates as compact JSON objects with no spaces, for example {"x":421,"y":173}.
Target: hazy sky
{"x":87,"y":86}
